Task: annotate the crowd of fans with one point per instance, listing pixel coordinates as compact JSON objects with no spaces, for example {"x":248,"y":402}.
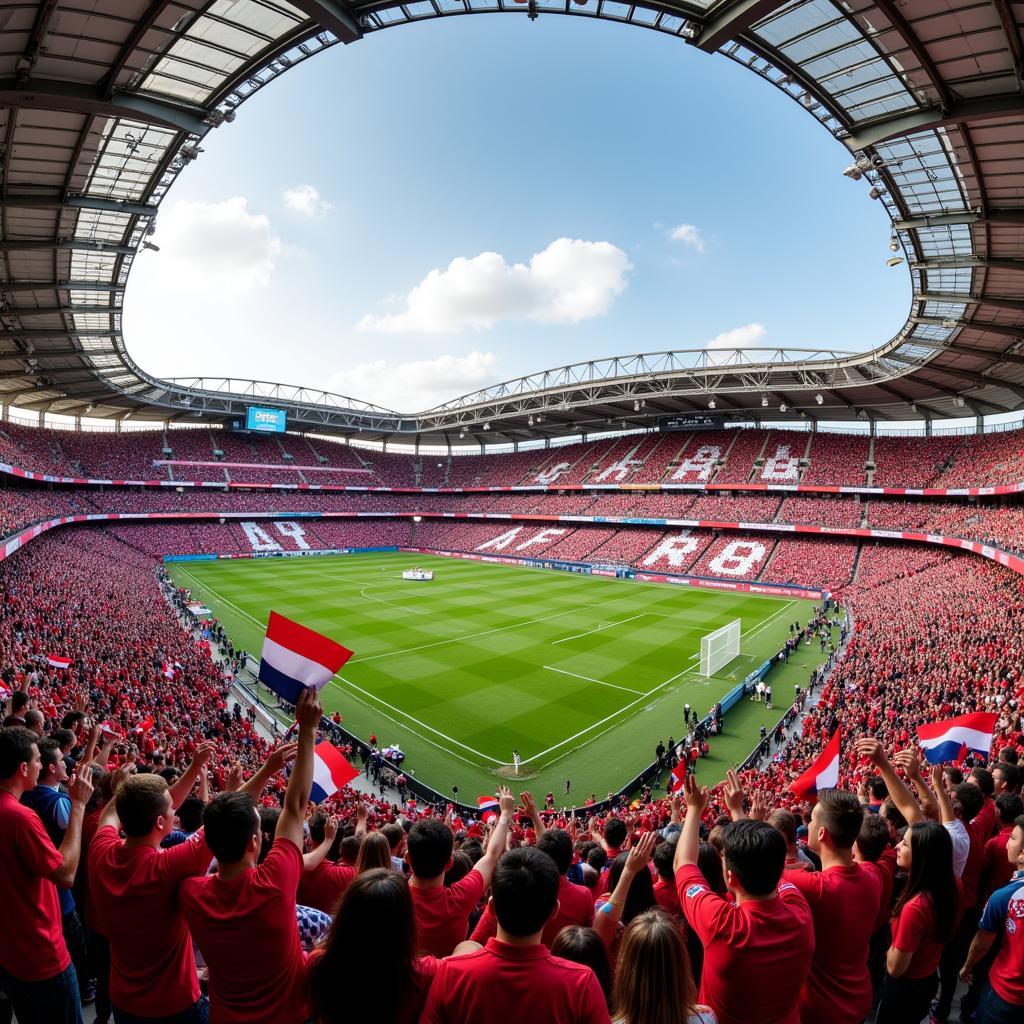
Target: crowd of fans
{"x":159,"y":862}
{"x":724,"y":456}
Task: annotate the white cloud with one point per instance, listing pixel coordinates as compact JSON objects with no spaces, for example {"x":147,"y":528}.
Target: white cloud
{"x":216,"y":247}
{"x":747,"y":336}
{"x":689,"y":234}
{"x":306,"y":201}
{"x":569,"y":281}
{"x":415,"y":385}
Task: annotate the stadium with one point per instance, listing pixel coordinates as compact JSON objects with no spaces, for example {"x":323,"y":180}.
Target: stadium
{"x":640,"y":659}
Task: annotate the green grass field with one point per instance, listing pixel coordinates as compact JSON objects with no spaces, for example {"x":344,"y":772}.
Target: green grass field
{"x":582,"y":674}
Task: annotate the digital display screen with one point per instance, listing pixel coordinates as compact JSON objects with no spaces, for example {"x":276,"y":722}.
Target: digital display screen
{"x":690,"y":421}
{"x":267,"y":421}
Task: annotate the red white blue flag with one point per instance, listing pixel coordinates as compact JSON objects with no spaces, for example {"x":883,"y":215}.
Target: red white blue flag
{"x":823,"y":774}
{"x":331,"y":771}
{"x":295,"y":657}
{"x":678,"y":777}
{"x":944,"y":741}
{"x":488,"y":807}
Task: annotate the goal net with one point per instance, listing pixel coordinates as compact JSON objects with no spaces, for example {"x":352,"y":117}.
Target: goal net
{"x":717,"y":649}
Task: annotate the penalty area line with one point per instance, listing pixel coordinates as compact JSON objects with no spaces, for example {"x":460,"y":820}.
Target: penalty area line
{"x":590,"y":679}
{"x":604,"y":625}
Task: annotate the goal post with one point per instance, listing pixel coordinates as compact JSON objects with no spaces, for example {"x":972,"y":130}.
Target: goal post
{"x":718,"y":648}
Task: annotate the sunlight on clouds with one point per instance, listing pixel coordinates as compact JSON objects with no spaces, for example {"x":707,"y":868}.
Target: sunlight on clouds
{"x":569,"y":281}
{"x":306,"y":201}
{"x":689,"y":234}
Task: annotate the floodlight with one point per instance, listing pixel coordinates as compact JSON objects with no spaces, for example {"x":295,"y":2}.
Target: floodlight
{"x":894,"y":261}
{"x":783,"y":407}
{"x":764,"y":401}
{"x":636,"y":405}
{"x":711,"y":403}
{"x":854,"y":172}
{"x":487,"y":426}
{"x":875,"y":192}
{"x":819,"y":399}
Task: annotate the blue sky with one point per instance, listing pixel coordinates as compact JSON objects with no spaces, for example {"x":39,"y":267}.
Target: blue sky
{"x":312,"y":242}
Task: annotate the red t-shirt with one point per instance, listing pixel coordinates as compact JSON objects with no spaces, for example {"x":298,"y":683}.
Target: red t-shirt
{"x":667,"y":898}
{"x":756,"y":953}
{"x":442,"y":914}
{"x":996,"y":869}
{"x":31,"y":941}
{"x":971,"y":876}
{"x":575,"y":906}
{"x":323,"y":885}
{"x":844,"y":904}
{"x":986,"y":820}
{"x":410,"y":1006}
{"x":504,"y":982}
{"x":152,"y":968}
{"x":248,"y":935}
{"x":885,"y":870}
{"x":914,"y":932}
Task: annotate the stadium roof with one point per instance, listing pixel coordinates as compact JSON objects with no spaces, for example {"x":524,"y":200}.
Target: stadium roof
{"x":104,"y":101}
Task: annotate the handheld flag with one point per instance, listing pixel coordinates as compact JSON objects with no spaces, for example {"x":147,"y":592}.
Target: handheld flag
{"x":144,"y":726}
{"x":678,"y":777}
{"x":110,"y":731}
{"x":295,"y":657}
{"x":488,"y":807}
{"x":55,"y":661}
{"x":330,"y":772}
{"x":943,"y":741}
{"x":823,"y":774}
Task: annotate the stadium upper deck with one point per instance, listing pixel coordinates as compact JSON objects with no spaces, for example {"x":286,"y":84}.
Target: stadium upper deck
{"x":103,"y":106}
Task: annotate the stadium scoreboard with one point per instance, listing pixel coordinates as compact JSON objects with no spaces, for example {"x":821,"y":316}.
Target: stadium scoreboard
{"x":265,"y":421}
{"x":690,"y":422}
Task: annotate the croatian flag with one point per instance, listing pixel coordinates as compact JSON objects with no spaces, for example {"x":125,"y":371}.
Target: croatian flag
{"x":488,"y":807}
{"x":330,"y":772}
{"x":295,"y":657}
{"x":944,"y":741}
{"x":678,"y":777}
{"x":55,"y":661}
{"x":823,"y":774}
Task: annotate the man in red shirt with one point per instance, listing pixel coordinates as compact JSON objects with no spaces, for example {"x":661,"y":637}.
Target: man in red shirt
{"x":134,"y":885}
{"x":757,"y":951}
{"x":845,"y":898}
{"x":243,"y":918}
{"x":575,"y":902}
{"x":514,"y":977}
{"x":442,"y":913}
{"x":323,"y":881}
{"x":35,"y":966}
{"x":873,"y":851}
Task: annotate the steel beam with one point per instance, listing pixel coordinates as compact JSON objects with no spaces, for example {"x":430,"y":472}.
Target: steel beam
{"x":45,"y":94}
{"x":333,"y":16}
{"x":958,"y":348}
{"x":981,"y":108}
{"x":37,"y":245}
{"x":965,"y":263}
{"x":57,"y":201}
{"x":1003,"y":330}
{"x":938,"y":220}
{"x":68,"y":332}
{"x":730,"y":18}
{"x":995,"y":301}
{"x":22,"y":312}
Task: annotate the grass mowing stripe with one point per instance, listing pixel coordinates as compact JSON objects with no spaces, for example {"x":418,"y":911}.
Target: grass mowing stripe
{"x":474,"y":665}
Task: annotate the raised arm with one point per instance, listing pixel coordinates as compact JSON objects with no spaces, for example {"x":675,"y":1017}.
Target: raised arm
{"x":308,"y":713}
{"x":909,"y":761}
{"x":607,"y":919}
{"x":80,"y":791}
{"x":898,"y":791}
{"x":688,"y":847}
{"x":275,"y":761}
{"x":316,"y":856}
{"x":530,"y":808}
{"x":183,"y":786}
{"x":946,"y":812}
{"x":734,"y":795}
{"x":496,"y":847}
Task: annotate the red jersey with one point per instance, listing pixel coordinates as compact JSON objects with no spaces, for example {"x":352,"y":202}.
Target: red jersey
{"x":249,"y":937}
{"x":667,"y":898}
{"x":996,"y":869}
{"x":442,"y":914}
{"x":33,"y":950}
{"x":762,"y":947}
{"x":914,"y":932}
{"x":504,"y":982}
{"x":1002,"y":916}
{"x":323,"y":885}
{"x":575,"y":906}
{"x":134,"y":891}
{"x":845,"y":906}
{"x":885,"y":869}
{"x":986,"y":820}
{"x":971,"y":876}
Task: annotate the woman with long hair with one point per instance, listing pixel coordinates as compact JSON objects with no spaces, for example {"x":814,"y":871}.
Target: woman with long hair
{"x":373,"y":937}
{"x":924,"y":920}
{"x":584,"y":946}
{"x":374,"y":852}
{"x":653,"y":981}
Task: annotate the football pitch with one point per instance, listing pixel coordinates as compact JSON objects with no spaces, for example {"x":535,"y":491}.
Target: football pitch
{"x":583,"y":675}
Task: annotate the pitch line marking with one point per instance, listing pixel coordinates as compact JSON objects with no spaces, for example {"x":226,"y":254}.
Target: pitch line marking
{"x":590,"y":679}
{"x":427,"y":739}
{"x":598,"y":629}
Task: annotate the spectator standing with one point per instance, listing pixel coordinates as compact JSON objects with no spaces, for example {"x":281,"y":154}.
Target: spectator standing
{"x":514,"y":977}
{"x":35,"y":966}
